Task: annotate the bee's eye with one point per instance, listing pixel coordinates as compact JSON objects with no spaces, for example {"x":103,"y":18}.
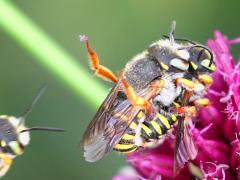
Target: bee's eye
{"x":206,"y":62}
{"x":179,"y":64}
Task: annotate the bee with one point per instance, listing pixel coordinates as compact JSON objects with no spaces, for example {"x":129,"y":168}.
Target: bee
{"x":15,"y":136}
{"x":160,"y":88}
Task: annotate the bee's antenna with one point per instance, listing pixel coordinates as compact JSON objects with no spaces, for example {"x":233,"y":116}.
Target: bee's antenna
{"x":35,"y":100}
{"x":172,"y":32}
{"x":181,"y":39}
{"x":43,"y":129}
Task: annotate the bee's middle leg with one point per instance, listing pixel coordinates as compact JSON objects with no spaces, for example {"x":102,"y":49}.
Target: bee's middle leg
{"x":140,"y":102}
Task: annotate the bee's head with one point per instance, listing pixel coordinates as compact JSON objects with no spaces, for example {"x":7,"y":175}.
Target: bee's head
{"x":14,"y":135}
{"x":12,"y":139}
{"x":201,"y":64}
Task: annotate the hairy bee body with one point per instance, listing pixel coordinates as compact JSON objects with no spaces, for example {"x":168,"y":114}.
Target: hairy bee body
{"x":164,"y":61}
{"x":12,"y":139}
{"x":121,"y":125}
{"x":15,"y":136}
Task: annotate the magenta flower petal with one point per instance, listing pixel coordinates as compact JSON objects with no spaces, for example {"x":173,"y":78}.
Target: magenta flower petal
{"x":212,"y":170}
{"x":235,"y":159}
{"x":155,"y":163}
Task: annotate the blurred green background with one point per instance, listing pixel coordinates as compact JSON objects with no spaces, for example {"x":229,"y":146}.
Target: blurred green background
{"x":118,"y":30}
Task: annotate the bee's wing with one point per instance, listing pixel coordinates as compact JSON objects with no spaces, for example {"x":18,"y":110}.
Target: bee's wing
{"x":5,"y":164}
{"x":110,"y":122}
{"x":185,"y":148}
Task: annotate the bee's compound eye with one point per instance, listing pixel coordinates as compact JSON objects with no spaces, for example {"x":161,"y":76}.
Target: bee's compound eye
{"x":15,"y":147}
{"x":179,"y":64}
{"x":206,"y":62}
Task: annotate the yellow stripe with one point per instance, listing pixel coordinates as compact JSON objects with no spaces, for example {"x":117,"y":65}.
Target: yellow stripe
{"x":128,"y":137}
{"x":127,"y":152}
{"x":174,"y":118}
{"x":133,"y":125}
{"x":123,"y":146}
{"x":164,"y":121}
{"x":156,"y":127}
{"x":146,"y":129}
{"x":140,"y":114}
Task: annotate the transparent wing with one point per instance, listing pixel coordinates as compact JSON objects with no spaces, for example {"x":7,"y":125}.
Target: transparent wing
{"x":110,"y":122}
{"x":185,"y":148}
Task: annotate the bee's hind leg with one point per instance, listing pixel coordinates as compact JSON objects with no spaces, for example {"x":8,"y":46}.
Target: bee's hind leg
{"x":99,"y":70}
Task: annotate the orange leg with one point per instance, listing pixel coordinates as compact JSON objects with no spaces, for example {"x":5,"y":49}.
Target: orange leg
{"x":185,"y":83}
{"x":188,"y":111}
{"x":100,"y":70}
{"x":203,"y":102}
{"x":140,"y":102}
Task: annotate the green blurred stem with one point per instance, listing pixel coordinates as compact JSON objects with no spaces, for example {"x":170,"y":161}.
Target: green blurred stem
{"x":50,"y":54}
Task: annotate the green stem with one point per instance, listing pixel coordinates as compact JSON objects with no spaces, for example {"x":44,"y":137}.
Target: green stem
{"x":48,"y":53}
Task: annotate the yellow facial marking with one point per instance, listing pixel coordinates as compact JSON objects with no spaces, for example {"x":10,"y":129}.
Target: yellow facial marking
{"x":205,"y":63}
{"x":3,"y":143}
{"x":15,"y":147}
{"x":164,"y":121}
{"x":194,"y":65}
{"x":164,"y":66}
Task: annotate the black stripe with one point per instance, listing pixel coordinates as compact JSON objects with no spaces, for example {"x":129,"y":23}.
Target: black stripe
{"x":125,"y":150}
{"x":154,"y":134}
{"x":125,"y":141}
{"x":162,"y":126}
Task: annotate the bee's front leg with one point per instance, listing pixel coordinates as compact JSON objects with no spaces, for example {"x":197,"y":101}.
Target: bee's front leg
{"x":99,"y":70}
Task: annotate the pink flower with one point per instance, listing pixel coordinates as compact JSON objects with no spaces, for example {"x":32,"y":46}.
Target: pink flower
{"x":216,"y":133}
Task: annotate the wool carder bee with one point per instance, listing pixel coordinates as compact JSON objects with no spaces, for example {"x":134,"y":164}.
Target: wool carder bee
{"x":15,"y":136}
{"x":161,"y":87}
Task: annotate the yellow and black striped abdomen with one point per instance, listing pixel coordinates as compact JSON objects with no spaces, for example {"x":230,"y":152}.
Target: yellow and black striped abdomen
{"x":150,"y":130}
{"x":127,"y":144}
{"x":157,"y":127}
